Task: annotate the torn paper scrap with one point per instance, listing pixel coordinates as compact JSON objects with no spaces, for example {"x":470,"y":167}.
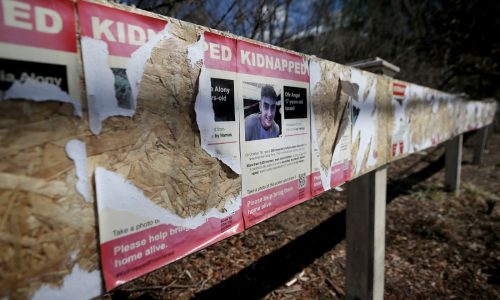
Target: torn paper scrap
{"x":100,"y":83}
{"x":215,"y":106}
{"x":76,"y":151}
{"x":38,"y":91}
{"x":196,"y":52}
{"x":79,"y":284}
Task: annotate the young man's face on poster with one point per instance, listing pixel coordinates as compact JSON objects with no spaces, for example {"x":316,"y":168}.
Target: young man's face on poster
{"x":268,"y":110}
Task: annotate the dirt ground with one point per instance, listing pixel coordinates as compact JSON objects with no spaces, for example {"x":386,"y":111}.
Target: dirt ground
{"x":437,"y":245}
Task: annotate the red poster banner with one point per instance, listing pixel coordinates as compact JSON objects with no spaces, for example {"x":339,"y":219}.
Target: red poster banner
{"x":263,"y":205}
{"x":254,"y":59}
{"x":130,"y":256}
{"x":123,"y":31}
{"x":220,"y":52}
{"x":47,"y":24}
{"x":398,"y":89}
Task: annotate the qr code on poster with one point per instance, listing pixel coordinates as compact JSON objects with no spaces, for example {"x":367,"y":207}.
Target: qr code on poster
{"x":302,"y":180}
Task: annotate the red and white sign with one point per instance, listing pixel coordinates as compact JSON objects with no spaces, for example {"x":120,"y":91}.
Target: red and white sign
{"x":220,"y":52}
{"x":48,"y":24}
{"x":123,"y":31}
{"x":254,"y":59}
{"x":133,"y":255}
{"x":262,"y":205}
{"x":340,"y":174}
{"x":398,"y":89}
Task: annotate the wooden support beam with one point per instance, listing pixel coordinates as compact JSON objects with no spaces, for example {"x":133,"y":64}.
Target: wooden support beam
{"x":453,"y":164}
{"x":365,"y":235}
{"x":491,"y":131}
{"x":482,"y":136}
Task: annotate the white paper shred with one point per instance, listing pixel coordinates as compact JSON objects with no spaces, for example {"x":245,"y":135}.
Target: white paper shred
{"x":196,"y":51}
{"x":315,"y":78}
{"x":100,"y":80}
{"x":76,"y":151}
{"x":115,"y":193}
{"x":77,"y":285}
{"x":33,"y":90}
{"x":366,"y":123}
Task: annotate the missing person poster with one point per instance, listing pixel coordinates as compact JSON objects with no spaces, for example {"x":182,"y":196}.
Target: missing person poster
{"x":38,"y":51}
{"x":274,"y":130}
{"x":115,"y":46}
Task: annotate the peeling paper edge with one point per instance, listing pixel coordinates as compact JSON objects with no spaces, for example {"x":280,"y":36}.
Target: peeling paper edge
{"x":36,"y":91}
{"x":204,"y":110}
{"x":79,"y":284}
{"x":100,"y":80}
{"x":196,"y":52}
{"x":401,"y":130}
{"x":116,"y":193}
{"x":100,"y":83}
{"x":76,"y":151}
{"x":315,"y":78}
{"x":357,"y":77}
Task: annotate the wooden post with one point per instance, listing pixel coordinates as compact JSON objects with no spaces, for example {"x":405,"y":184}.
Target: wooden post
{"x":365,"y":223}
{"x":491,"y":131}
{"x":365,"y":236}
{"x":482,"y":136}
{"x":453,"y":164}
{"x":496,"y":121}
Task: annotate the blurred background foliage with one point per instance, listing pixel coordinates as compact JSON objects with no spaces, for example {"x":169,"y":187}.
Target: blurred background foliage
{"x":451,"y":45}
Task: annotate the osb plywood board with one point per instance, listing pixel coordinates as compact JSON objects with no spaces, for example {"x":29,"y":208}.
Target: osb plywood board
{"x":384,"y":111}
{"x":158,"y":149}
{"x":46,"y":226}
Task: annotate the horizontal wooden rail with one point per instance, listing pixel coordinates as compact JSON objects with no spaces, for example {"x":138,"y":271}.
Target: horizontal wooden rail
{"x":168,"y":137}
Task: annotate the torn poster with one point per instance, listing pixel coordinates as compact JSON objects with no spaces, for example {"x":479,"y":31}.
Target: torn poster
{"x":274,"y":130}
{"x":38,"y":52}
{"x":477,"y":114}
{"x":137,"y":236}
{"x":115,"y":47}
{"x":400,"y":136}
{"x":330,"y":125}
{"x":365,"y":123}
{"x":216,"y":109}
{"x":75,"y":149}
